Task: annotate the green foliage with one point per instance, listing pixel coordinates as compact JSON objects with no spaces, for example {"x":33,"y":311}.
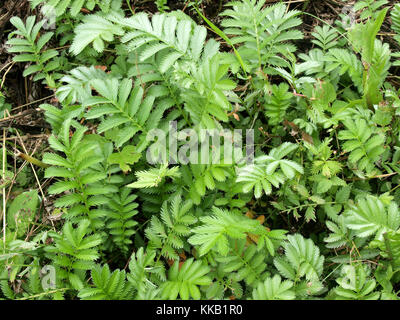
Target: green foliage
{"x":22,"y":211}
{"x":167,"y":37}
{"x":278,"y":103}
{"x":169,"y":232}
{"x":396,"y":18}
{"x":4,"y":105}
{"x":302,"y":259}
{"x":375,"y":56}
{"x":184,"y":280}
{"x":107,"y":285}
{"x":122,"y":212}
{"x":128,"y":156}
{"x":390,"y":244}
{"x":153,"y":177}
{"x":369,"y":8}
{"x":371,"y":216}
{"x":74,"y":6}
{"x":145,"y":274}
{"x":346,"y":63}
{"x":81,"y":174}
{"x":244,"y":263}
{"x":209,"y":98}
{"x":263,"y":33}
{"x":325,"y":37}
{"x":395,"y":14}
{"x":268,"y":171}
{"x":216,"y":228}
{"x":274,"y":289}
{"x":364,"y":144}
{"x":95,"y":29}
{"x":206,"y":177}
{"x":117,"y":98}
{"x":354,"y":284}
{"x":75,"y":250}
{"x":324,"y":164}
{"x":162,"y":5}
{"x":31,"y":48}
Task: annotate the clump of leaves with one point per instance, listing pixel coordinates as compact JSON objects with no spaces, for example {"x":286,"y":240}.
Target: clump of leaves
{"x":305,"y":220}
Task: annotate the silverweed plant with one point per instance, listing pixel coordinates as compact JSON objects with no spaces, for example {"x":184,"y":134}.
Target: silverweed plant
{"x":309,"y":212}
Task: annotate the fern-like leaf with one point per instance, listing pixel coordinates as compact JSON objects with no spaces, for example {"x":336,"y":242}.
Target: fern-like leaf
{"x":184,"y":281}
{"x":274,"y":289}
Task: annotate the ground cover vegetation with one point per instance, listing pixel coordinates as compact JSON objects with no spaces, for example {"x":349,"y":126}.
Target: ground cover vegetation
{"x":86,"y":216}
